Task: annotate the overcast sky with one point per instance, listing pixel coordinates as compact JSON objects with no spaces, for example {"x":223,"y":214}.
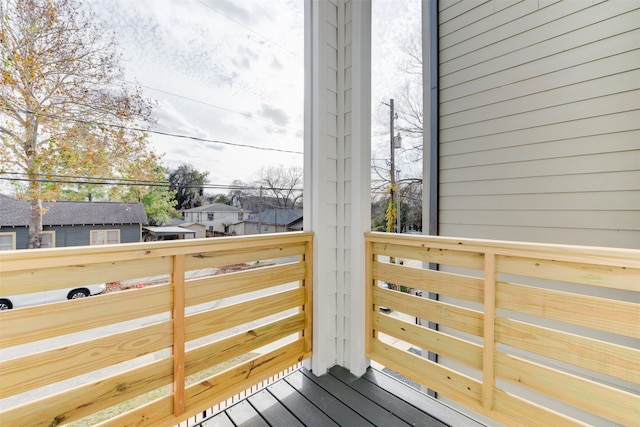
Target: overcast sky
{"x":232,"y":71}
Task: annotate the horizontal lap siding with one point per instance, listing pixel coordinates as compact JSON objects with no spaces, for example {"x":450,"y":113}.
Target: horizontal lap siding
{"x":540,"y":121}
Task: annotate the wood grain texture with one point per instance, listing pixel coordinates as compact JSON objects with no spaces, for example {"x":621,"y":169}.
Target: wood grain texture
{"x":555,"y":320}
{"x":128,"y":332}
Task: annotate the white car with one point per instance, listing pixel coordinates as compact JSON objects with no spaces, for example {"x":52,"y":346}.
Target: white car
{"x":25,"y":300}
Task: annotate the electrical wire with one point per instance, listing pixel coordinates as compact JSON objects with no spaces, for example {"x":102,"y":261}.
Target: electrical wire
{"x":249,"y":29}
{"x":250,"y":116}
{"x":195,"y":138}
{"x":87,"y":180}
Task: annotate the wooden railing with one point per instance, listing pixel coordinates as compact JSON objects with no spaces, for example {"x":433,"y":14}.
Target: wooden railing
{"x":159,"y":353}
{"x":527,"y":334}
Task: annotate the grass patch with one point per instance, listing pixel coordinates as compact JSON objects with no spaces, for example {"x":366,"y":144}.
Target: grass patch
{"x":107,"y":414}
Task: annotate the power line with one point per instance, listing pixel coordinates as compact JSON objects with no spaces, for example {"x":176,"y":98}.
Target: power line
{"x":195,"y":138}
{"x":88,"y":180}
{"x":250,"y":116}
{"x":249,"y":29}
{"x":48,"y":175}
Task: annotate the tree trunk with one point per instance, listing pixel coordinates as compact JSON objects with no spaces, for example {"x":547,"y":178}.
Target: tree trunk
{"x":35,"y":215}
{"x":35,"y":199}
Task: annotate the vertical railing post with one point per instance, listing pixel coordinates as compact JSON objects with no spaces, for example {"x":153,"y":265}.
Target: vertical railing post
{"x":488,"y":376}
{"x":308,"y":299}
{"x":368,"y":294}
{"x":178,"y":335}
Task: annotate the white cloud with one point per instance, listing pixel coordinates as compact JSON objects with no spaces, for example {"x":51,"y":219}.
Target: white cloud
{"x":242,"y":61}
{"x":221,"y":54}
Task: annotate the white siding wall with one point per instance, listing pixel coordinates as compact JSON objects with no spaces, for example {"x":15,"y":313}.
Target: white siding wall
{"x":539,"y":124}
{"x":540,"y":121}
{"x":337,"y":153}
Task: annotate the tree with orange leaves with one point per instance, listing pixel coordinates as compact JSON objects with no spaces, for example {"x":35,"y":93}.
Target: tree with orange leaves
{"x":66,"y":112}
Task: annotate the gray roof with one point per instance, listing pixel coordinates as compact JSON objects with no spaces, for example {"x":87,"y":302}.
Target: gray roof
{"x":215,"y":207}
{"x":15,"y":212}
{"x":271,"y":216}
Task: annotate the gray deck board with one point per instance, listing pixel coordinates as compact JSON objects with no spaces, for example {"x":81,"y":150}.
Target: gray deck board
{"x":308,"y":414}
{"x":365,"y":407}
{"x":339,"y":399}
{"x":386,"y":399}
{"x":323,"y":400}
{"x":421,"y":401}
{"x":274,"y":412}
{"x":218,"y":420}
{"x":243,"y":414}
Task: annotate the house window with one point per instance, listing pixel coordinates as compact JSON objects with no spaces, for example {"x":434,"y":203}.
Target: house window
{"x":239,"y":216}
{"x":210,"y":216}
{"x":105,"y":237}
{"x":48,"y":239}
{"x":7,"y":241}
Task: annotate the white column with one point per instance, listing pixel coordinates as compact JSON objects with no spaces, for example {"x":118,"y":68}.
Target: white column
{"x":359,"y":173}
{"x":337,"y":174}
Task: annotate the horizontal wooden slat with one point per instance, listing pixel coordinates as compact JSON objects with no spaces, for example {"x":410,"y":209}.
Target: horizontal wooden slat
{"x":220,"y":319}
{"x":47,"y":258}
{"x":611,"y":403}
{"x":513,"y":410}
{"x":37,"y":279}
{"x":73,"y":404}
{"x":442,"y":379}
{"x":442,"y":344}
{"x":615,"y":277}
{"x":241,"y":255}
{"x":463,"y":319}
{"x":596,"y":355}
{"x":617,"y":317}
{"x":227,"y":285}
{"x":40,"y":369}
{"x":245,"y":342}
{"x":627,"y":258}
{"x":450,"y":284}
{"x":26,"y":324}
{"x":434,"y":255}
{"x":158,"y":413}
{"x":211,"y":390}
{"x":28,"y":271}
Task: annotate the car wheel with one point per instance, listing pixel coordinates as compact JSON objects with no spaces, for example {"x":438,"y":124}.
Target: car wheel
{"x":5,"y":304}
{"x":78,"y":293}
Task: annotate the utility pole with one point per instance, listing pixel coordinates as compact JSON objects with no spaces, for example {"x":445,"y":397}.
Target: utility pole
{"x":394,"y":142}
{"x":393,"y":156}
{"x":260,"y":212}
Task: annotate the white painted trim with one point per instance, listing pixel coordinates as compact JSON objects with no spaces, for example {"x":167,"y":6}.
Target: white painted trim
{"x":323,"y":356}
{"x":337,"y":201}
{"x":340,"y":192}
{"x":360,"y":176}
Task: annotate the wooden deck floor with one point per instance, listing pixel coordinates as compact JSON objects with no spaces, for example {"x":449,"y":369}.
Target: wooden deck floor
{"x":338,"y":399}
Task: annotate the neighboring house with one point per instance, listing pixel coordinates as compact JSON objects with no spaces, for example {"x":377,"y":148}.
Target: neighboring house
{"x":199,"y":229}
{"x":216,"y":217}
{"x":71,"y":223}
{"x":272,"y":221}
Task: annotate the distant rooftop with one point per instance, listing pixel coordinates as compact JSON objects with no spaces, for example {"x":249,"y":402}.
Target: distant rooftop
{"x":215,"y":207}
{"x":276,"y":216}
{"x":15,"y":212}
